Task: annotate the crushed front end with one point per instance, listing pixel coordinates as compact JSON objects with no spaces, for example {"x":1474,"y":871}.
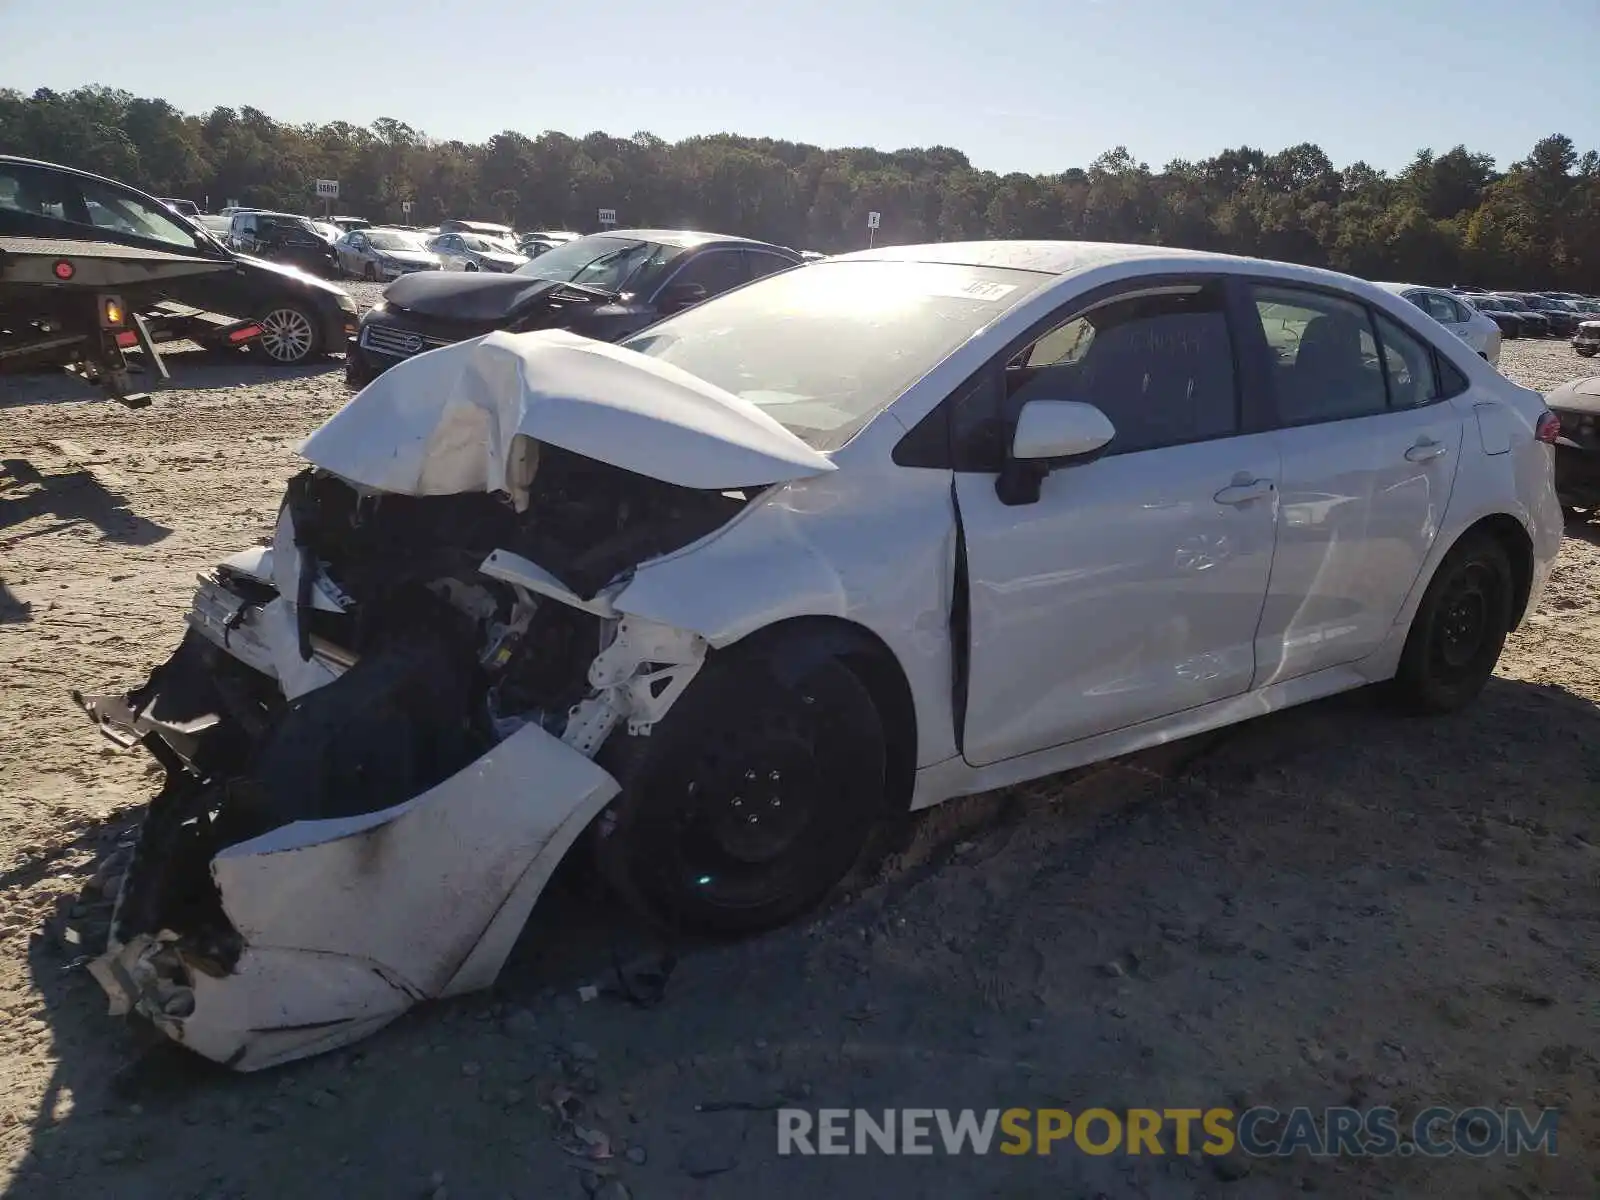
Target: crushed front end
{"x":378,"y":737}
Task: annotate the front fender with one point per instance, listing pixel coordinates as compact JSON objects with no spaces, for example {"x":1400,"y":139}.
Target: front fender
{"x":872,"y":546}
{"x":735,"y":584}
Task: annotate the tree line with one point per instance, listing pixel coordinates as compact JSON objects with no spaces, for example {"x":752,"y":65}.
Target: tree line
{"x":1446,"y":218}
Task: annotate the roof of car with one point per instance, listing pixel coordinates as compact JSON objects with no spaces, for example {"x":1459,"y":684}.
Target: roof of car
{"x":687,"y":238}
{"x":1410,"y":287}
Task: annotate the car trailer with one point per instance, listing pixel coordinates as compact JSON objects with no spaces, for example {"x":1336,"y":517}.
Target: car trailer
{"x":83,"y":303}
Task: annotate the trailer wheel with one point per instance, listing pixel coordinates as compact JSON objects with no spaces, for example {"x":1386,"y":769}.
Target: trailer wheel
{"x":288,"y":335}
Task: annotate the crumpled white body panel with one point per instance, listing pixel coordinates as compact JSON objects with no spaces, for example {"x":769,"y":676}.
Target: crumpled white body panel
{"x":349,"y":922}
{"x":444,"y":422}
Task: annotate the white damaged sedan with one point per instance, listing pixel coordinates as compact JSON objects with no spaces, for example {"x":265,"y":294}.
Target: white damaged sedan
{"x":850,"y":540}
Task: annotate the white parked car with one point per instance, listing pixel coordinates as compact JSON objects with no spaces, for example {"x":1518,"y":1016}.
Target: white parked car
{"x":1474,"y":328}
{"x":382,"y":254}
{"x":850,"y":540}
{"x":474,"y":252}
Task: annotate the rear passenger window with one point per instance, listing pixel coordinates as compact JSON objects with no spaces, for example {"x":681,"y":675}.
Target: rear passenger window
{"x":1159,"y":366}
{"x":1408,"y":362}
{"x":1324,"y":360}
{"x":1451,"y":380}
{"x":1441,"y":309}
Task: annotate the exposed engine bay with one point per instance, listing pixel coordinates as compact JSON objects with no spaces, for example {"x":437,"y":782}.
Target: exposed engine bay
{"x":382,"y":646}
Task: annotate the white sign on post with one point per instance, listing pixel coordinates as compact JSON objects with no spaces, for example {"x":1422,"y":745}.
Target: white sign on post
{"x":608,"y":216}
{"x":873,"y":220}
{"x":328,"y":189}
{"x":405,"y":208}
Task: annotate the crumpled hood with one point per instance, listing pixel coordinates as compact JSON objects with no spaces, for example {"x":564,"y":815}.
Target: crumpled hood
{"x":445,"y":422}
{"x":466,"y":295}
{"x":409,"y":256}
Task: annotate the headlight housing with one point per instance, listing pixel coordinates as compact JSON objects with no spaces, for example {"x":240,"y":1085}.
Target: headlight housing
{"x":347,"y":302}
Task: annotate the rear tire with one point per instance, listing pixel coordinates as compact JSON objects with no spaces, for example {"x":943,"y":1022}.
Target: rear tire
{"x":1459,"y":629}
{"x":751,"y":799}
{"x":1586,"y":351}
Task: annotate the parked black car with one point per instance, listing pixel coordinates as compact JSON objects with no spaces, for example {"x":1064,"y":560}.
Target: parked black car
{"x":1511,"y":324}
{"x":1577,"y":403}
{"x":605,"y":286}
{"x":1534,"y":322}
{"x":300,"y":316}
{"x":283,"y":237}
{"x":1563,"y":320}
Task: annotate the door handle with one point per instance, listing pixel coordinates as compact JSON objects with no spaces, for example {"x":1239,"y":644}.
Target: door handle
{"x":1425,"y":451}
{"x":1245,"y":491}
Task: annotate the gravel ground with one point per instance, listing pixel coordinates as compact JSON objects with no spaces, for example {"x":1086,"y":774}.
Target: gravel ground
{"x":1328,"y":905}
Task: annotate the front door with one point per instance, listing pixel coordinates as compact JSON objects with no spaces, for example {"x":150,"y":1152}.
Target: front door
{"x":1369,"y":446}
{"x":1132,"y":587}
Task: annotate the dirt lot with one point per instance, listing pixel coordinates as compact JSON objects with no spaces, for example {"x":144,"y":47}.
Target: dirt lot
{"x":1330,"y":905}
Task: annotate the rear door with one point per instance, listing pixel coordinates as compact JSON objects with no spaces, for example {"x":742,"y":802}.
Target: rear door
{"x":1369,"y":451}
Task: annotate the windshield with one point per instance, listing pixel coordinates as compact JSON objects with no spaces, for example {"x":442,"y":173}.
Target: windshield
{"x":394,"y":239}
{"x":484,"y":245}
{"x":608,"y":263}
{"x":823,"y":350}
{"x":1507,"y":304}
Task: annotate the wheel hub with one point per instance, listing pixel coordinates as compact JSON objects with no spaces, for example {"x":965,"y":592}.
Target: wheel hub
{"x":1463,"y":621}
{"x":286,"y":335}
{"x":752,"y":812}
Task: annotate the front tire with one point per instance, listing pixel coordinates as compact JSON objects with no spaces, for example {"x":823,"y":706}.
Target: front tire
{"x":751,"y":798}
{"x":1459,"y":629}
{"x":1586,"y":351}
{"x":289,"y":335}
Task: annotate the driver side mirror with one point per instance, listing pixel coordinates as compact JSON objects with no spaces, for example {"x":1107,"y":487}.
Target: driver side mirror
{"x":679,"y":296}
{"x":1050,"y":434}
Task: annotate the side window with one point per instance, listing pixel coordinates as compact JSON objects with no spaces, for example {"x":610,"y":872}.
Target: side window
{"x":1462,"y":313}
{"x":759,"y":263}
{"x":123,"y":213}
{"x":715,"y":270}
{"x":1408,"y":362}
{"x":1441,"y":309}
{"x":1451,"y":381}
{"x":1159,"y":366}
{"x":1324,"y":361}
{"x":29,"y":197}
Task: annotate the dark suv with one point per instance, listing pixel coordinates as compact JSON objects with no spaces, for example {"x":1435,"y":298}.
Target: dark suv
{"x":604,"y":286}
{"x":300,"y":316}
{"x":282,"y":237}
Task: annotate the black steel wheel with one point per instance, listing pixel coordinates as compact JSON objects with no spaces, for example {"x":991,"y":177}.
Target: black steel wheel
{"x":1459,"y":629}
{"x":750,"y":800}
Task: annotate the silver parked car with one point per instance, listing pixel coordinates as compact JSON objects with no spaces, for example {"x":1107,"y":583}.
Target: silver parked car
{"x":474,"y":252}
{"x":382,"y":254}
{"x":1475,"y":328}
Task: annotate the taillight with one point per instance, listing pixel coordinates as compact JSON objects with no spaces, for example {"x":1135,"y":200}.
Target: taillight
{"x":1548,"y":429}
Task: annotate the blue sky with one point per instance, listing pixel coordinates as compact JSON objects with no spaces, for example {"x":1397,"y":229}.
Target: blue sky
{"x":1031,"y":85}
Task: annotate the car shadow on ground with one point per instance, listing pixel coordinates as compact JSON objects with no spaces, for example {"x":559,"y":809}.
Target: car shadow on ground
{"x":67,"y":498}
{"x":126,"y":1101}
{"x":191,"y":369}
{"x":1585,"y":531}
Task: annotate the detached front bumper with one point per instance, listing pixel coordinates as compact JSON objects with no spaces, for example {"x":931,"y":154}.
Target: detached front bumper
{"x":255,"y":935}
{"x":347,"y":923}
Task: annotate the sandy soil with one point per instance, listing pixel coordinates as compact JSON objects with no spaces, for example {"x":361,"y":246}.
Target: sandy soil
{"x":1329,"y":905}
